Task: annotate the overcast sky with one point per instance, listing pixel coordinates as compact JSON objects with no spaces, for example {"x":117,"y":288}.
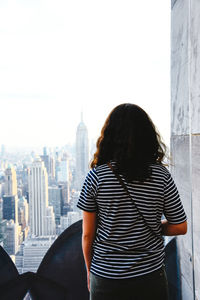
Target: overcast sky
{"x":58,"y":57}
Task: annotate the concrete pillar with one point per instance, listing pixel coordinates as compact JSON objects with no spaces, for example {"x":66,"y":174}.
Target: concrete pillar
{"x":185,"y":134}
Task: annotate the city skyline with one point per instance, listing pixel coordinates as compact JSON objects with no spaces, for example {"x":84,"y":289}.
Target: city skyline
{"x":38,"y":196}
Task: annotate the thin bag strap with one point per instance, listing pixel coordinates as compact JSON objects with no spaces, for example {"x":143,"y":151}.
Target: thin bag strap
{"x":128,"y":193}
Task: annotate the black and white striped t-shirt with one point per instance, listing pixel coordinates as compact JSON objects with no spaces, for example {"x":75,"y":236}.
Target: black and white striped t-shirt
{"x":124,"y":246}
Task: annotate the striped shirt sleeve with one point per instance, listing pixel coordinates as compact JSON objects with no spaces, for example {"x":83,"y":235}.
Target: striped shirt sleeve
{"x":173,"y":208}
{"x":86,"y":200}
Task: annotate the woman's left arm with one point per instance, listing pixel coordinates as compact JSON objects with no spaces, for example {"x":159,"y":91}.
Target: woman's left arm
{"x":89,"y":231}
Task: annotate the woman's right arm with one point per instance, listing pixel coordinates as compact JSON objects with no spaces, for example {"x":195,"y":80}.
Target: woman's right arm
{"x":173,"y":229}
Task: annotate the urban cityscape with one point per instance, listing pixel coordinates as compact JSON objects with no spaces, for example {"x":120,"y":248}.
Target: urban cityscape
{"x":38,"y":198}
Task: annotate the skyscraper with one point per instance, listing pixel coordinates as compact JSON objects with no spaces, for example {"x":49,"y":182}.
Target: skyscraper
{"x":23,"y":212}
{"x":49,"y":163}
{"x":11,"y":237}
{"x":51,"y":168}
{"x":63,"y":169}
{"x":10,"y":208}
{"x":63,"y":180}
{"x":82,"y":153}
{"x":10,"y":187}
{"x":42,"y":220}
{"x":10,"y":199}
{"x":55,"y":201}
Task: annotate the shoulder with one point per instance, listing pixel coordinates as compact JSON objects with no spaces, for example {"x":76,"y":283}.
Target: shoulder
{"x":92,"y":176}
{"x":160,"y":171}
{"x":101,"y":170}
{"x":103,"y":173}
{"x":97,"y":173}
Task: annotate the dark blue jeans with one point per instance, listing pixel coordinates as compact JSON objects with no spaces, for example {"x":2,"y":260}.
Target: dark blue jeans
{"x":152,"y":286}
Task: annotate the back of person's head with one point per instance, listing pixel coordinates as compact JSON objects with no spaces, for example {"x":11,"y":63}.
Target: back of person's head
{"x":129,"y":138}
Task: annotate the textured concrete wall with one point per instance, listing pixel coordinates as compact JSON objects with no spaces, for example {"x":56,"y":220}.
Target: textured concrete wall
{"x":185,"y":134}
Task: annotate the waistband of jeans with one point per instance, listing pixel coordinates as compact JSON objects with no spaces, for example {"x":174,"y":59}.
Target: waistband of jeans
{"x":152,"y":274}
{"x":136,"y":278}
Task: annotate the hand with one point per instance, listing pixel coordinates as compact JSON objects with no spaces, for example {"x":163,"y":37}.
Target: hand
{"x":88,"y":280}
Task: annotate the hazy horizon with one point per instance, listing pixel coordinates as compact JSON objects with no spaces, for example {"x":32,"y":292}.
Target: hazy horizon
{"x":59,"y":58}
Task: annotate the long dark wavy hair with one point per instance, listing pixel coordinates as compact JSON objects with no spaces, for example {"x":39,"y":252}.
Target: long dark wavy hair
{"x":130,"y":139}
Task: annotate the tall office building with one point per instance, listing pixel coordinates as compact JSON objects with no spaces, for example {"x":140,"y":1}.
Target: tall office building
{"x":10,"y":208}
{"x":10,"y":199}
{"x":46,"y":161}
{"x":11,"y":241}
{"x":10,"y":187}
{"x":23,"y":212}
{"x":63,"y":169}
{"x":82,"y":154}
{"x":55,"y":201}
{"x":42,"y":219}
{"x":49,"y":163}
{"x":51,"y":168}
{"x":63,"y":180}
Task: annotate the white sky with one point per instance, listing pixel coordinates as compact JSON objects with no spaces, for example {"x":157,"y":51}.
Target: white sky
{"x":60,"y":56}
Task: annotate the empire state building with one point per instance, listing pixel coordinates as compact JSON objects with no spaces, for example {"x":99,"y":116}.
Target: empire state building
{"x":82,"y":154}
